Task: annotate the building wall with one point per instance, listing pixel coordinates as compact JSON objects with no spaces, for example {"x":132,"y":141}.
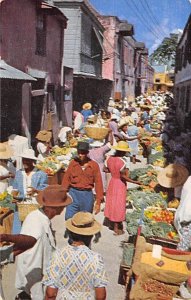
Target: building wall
{"x":182,"y":88}
{"x":72,"y":38}
{"x":18,"y":20}
{"x":109,"y":43}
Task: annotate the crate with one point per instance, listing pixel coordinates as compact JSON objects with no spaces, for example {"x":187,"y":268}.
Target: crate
{"x":6,"y":222}
{"x":162,"y":242}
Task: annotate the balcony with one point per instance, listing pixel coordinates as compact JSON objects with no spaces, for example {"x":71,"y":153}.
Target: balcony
{"x":91,"y":66}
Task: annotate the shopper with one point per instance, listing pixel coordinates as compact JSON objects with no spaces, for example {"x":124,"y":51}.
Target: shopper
{"x":115,"y":206}
{"x":77,"y":272}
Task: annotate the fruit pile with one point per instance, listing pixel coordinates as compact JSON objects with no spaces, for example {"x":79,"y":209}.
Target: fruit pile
{"x":159,"y":215}
{"x":50,"y":165}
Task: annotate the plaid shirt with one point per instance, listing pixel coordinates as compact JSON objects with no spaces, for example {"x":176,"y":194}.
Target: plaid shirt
{"x":76,"y":272}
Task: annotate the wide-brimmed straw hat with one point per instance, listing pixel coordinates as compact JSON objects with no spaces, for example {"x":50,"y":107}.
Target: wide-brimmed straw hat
{"x":122,"y":123}
{"x":87,"y":106}
{"x":83,"y":223}
{"x":29,"y":154}
{"x":54,"y":195}
{"x":44,"y":136}
{"x":5,"y":151}
{"x":122,"y":146}
{"x":173,"y":175}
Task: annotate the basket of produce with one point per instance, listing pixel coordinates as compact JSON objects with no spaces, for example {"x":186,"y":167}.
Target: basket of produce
{"x":49,"y":165}
{"x":25,"y":207}
{"x":96,"y":133}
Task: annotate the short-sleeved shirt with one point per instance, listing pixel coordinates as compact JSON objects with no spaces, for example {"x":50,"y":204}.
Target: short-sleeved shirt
{"x":76,"y":272}
{"x":38,"y":257}
{"x":87,"y":178}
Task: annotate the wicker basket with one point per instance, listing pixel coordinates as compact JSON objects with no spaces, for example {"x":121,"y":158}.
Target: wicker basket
{"x":96,"y":133}
{"x":25,"y":208}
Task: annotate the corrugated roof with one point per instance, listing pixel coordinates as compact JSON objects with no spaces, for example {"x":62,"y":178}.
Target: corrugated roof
{"x":8,"y":72}
{"x":36,"y":73}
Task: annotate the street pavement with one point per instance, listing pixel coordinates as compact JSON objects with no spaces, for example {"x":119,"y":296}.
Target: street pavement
{"x":108,"y":245}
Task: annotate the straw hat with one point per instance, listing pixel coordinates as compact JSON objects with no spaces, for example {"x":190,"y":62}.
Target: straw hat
{"x":122,"y":146}
{"x":83,"y":223}
{"x":5,"y":151}
{"x":54,"y":195}
{"x":131,"y":122}
{"x":122,"y":123}
{"x":173,"y":175}
{"x":29,"y":154}
{"x":44,"y":136}
{"x":87,"y":106}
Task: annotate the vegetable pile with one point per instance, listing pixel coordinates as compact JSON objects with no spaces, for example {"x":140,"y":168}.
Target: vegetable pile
{"x":146,"y":175}
{"x":156,"y":219}
{"x":6,"y":201}
{"x":49,"y":165}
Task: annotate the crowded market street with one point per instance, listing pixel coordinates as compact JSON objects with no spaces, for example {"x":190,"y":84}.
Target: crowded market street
{"x":95,"y":150}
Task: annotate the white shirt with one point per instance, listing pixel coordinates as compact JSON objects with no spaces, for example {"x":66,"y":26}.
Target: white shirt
{"x":183,"y":212}
{"x":3,"y":183}
{"x":34,"y":261}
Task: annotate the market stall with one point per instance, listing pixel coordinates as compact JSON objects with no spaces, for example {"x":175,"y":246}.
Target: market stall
{"x":159,"y":272}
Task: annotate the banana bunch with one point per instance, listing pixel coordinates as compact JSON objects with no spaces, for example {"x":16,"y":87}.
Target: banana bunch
{"x":60,"y":151}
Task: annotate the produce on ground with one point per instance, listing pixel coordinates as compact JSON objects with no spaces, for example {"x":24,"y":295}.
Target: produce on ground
{"x":159,"y":215}
{"x":157,"y":159}
{"x":140,"y":199}
{"x":147,"y":176}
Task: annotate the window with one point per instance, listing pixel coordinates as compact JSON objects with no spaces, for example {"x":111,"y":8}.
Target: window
{"x":157,"y":80}
{"x":41,"y":34}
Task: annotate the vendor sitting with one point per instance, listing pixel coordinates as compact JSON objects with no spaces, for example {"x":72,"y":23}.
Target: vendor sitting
{"x":29,"y":180}
{"x":43,"y":146}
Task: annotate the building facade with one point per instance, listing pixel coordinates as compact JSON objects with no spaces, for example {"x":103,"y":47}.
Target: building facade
{"x":35,"y":46}
{"x":83,"y":51}
{"x":182,"y":88}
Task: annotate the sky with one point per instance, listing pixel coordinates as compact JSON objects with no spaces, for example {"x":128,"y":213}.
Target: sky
{"x":152,"y":19}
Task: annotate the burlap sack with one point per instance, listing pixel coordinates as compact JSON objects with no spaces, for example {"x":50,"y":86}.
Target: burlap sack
{"x":138,"y":293}
{"x":140,"y":269}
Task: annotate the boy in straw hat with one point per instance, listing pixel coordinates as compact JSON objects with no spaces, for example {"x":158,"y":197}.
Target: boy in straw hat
{"x":86,"y":281}
{"x":36,"y":243}
{"x":43,"y":146}
{"x":86,"y":111}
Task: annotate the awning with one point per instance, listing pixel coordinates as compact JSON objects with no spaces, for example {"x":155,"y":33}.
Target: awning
{"x":36,"y":73}
{"x":8,"y":72}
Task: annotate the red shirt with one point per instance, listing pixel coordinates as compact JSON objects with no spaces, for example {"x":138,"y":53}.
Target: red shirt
{"x":85,"y":179}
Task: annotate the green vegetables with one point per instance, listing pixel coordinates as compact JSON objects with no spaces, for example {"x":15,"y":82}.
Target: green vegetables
{"x":136,"y":173}
{"x":140,"y":199}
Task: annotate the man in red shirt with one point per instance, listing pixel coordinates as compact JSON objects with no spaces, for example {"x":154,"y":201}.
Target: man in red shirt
{"x":82,"y":175}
